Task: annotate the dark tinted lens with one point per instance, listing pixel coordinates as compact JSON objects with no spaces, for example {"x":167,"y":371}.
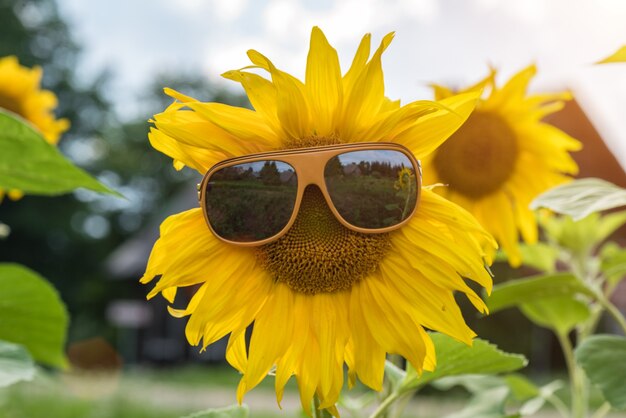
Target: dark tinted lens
{"x":372,"y":189}
{"x":252,"y":201}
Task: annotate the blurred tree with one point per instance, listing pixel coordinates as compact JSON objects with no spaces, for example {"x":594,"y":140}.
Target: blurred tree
{"x":269,"y":174}
{"x":67,"y":238}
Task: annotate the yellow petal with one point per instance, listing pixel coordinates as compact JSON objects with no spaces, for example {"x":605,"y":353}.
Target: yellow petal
{"x":190,"y":128}
{"x":196,"y":158}
{"x":308,"y":373}
{"x":244,"y":124}
{"x":459,"y":242}
{"x":503,"y":226}
{"x":366,"y":97}
{"x":618,"y":56}
{"x":441,"y":92}
{"x":272,"y":333}
{"x":525,"y":220}
{"x":552,"y":149}
{"x":323,"y":83}
{"x":236,"y":353}
{"x":369,"y":356}
{"x":428,"y":304}
{"x":175,"y":232}
{"x":262,"y":96}
{"x":389,"y":324}
{"x":292,"y":107}
{"x":230,"y":303}
{"x":488,"y":81}
{"x":192,"y":306}
{"x":437,"y":270}
{"x":349,"y":358}
{"x":170,"y":294}
{"x":329,"y":324}
{"x":289,"y":362}
{"x":184,"y":268}
{"x":389,"y":124}
{"x":513,"y":90}
{"x":433,"y":129}
{"x":358,"y":64}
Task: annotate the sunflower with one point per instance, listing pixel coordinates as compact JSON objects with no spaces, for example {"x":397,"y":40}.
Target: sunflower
{"x":356,"y":297}
{"x":502,"y":157}
{"x":617,"y":56}
{"x":20,"y":93}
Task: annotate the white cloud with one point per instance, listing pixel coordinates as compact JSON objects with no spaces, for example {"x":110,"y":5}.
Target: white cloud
{"x":282,"y":17}
{"x":228,"y":10}
{"x":423,"y":10}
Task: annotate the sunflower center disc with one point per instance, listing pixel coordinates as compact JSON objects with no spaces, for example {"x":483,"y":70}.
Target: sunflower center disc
{"x":318,"y":254}
{"x":479,"y":157}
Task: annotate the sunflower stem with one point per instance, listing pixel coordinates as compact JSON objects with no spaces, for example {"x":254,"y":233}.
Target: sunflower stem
{"x":559,"y":405}
{"x":401,"y":404}
{"x":612,"y":310}
{"x":384,"y":406}
{"x":577,"y":385}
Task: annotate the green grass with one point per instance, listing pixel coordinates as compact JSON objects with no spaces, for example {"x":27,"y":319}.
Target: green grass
{"x":22,"y":404}
{"x":139,"y":393}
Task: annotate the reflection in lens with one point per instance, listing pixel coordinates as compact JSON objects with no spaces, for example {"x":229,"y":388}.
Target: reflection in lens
{"x":251,"y":201}
{"x":372,"y":189}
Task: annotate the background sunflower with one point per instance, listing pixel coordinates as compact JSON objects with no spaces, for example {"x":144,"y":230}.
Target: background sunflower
{"x":502,"y":157}
{"x":21,"y":94}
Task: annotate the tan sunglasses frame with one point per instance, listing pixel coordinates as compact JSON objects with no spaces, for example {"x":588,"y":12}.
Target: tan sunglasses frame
{"x":309,"y":165}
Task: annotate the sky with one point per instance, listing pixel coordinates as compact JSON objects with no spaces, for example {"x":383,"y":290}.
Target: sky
{"x":444,"y":41}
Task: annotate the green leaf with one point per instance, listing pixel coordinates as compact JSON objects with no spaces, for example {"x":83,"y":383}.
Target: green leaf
{"x":233,"y":411}
{"x":613,"y":262}
{"x":519,"y":291}
{"x":603,"y":357}
{"x":15,"y":364}
{"x":32,"y":314}
{"x":455,"y":358}
{"x":502,"y":388}
{"x":488,"y":404}
{"x":522,"y":388}
{"x":491,"y":394}
{"x":579,"y":237}
{"x":532,"y":406}
{"x":540,"y":256}
{"x":474,"y":383}
{"x":32,"y":165}
{"x":558,"y":313}
{"x":582,"y":197}
{"x":609,"y":224}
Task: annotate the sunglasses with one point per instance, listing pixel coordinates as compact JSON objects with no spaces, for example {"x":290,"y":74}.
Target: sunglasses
{"x":254,"y":200}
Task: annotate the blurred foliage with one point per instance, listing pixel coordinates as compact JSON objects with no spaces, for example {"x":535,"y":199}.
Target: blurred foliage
{"x":137,"y":393}
{"x":68,"y":238}
{"x":32,"y":314}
